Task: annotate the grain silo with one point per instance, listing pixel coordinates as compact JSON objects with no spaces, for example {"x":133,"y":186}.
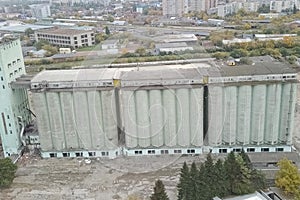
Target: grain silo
{"x":251,"y":107}
{"x":76,"y":112}
{"x":162,"y":111}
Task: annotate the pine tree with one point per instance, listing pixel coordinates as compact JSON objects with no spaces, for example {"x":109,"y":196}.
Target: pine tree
{"x":159,"y":191}
{"x":232,"y":171}
{"x":210,"y":175}
{"x":194,"y":183}
{"x":184,"y":181}
{"x":220,"y":179}
{"x":246,"y":159}
{"x":202,"y":187}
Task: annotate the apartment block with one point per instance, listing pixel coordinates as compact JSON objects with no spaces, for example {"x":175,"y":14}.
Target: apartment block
{"x":66,"y":37}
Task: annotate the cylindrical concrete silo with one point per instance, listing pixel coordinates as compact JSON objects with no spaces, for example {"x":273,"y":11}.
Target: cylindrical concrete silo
{"x":156,"y":118}
{"x":230,"y":112}
{"x":96,"y":119}
{"x":272,"y":113}
{"x":67,"y":107}
{"x":293,"y":98}
{"x":170,"y":131}
{"x":143,"y":125}
{"x":129,"y":120}
{"x":196,"y":117}
{"x":183,"y":116}
{"x":109,"y":119}
{"x":215,"y":116}
{"x":244,"y":114}
{"x":56,"y":122}
{"x":258,"y":114}
{"x":284,"y":112}
{"x":43,"y":121}
{"x":82,"y":119}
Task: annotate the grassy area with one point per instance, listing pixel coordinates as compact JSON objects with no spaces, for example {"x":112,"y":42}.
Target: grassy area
{"x":92,"y":48}
{"x":32,"y":69}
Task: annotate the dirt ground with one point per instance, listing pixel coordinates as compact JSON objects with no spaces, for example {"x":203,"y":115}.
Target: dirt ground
{"x":103,"y":179}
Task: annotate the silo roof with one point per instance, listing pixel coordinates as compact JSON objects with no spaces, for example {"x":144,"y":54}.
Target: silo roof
{"x":75,"y":75}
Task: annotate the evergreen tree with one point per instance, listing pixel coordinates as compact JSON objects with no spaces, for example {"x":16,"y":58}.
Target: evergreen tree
{"x":184,"y":181}
{"x":193,"y":193}
{"x":294,"y":9}
{"x":159,"y":191}
{"x":7,"y":172}
{"x":258,"y":179}
{"x":210,"y":175}
{"x":232,"y":171}
{"x":202,"y":187}
{"x":220,"y":179}
{"x":246,"y":159}
{"x":244,"y":186}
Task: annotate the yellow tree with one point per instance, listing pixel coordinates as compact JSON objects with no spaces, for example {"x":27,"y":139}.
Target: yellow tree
{"x":288,"y":177}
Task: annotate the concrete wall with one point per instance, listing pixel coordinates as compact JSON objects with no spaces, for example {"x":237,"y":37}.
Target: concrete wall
{"x":76,"y":120}
{"x":163,"y":117}
{"x":251,"y":114}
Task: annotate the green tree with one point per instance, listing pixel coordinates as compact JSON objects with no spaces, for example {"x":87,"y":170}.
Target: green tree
{"x":7,"y":172}
{"x":159,"y":191}
{"x":246,"y":159}
{"x":237,"y":53}
{"x":221,"y":182}
{"x":288,"y":177}
{"x":38,"y":45}
{"x":51,"y":50}
{"x":107,"y":31}
{"x":28,"y":32}
{"x":184,"y":183}
{"x":294,"y":9}
{"x":193,"y":188}
{"x":264,"y":9}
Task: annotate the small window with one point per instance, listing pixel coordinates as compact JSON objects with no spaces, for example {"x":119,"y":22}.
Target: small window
{"x":53,"y":155}
{"x":151,"y":151}
{"x":265,"y":149}
{"x":177,"y":151}
{"x":78,"y":154}
{"x":3,"y":86}
{"x":279,"y":149}
{"x":164,"y":151}
{"x":222,"y":150}
{"x":191,"y":151}
{"x":7,"y":116}
{"x":91,"y":154}
{"x":250,"y":149}
{"x":66,"y":154}
{"x":237,"y":150}
{"x":138,"y":152}
{"x":1,"y":78}
{"x":10,"y":131}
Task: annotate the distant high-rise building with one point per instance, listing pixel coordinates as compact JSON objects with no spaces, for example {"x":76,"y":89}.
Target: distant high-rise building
{"x":14,"y":114}
{"x":40,"y":11}
{"x":173,"y":8}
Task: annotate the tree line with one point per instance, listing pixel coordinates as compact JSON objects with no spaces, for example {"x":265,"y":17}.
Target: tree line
{"x":233,"y":176}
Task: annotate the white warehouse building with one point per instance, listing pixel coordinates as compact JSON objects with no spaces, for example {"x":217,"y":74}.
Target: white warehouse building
{"x":186,"y":108}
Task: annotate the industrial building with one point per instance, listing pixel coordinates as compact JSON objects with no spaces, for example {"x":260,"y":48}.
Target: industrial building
{"x":14,"y":108}
{"x":66,"y":37}
{"x":186,"y":108}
